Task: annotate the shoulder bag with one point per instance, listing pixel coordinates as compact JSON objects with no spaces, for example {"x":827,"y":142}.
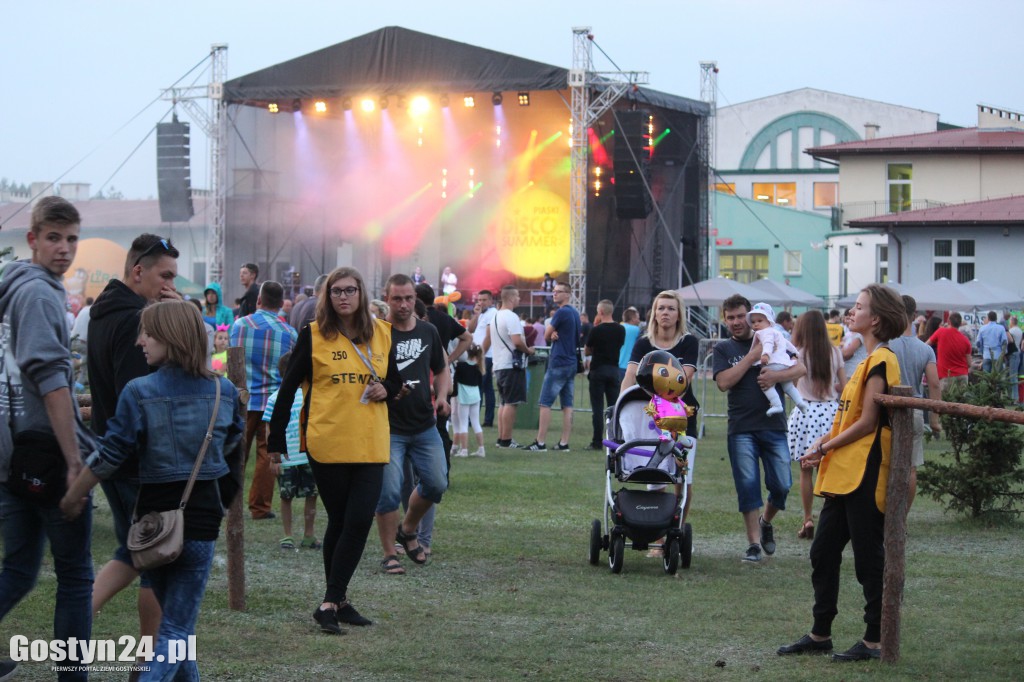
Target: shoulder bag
{"x":158,"y":537}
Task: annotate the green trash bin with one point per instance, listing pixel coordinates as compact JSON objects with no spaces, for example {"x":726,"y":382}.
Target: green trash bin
{"x":528,"y":414}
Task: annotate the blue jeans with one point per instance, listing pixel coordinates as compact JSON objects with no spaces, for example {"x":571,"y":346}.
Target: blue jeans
{"x":179,"y":587}
{"x":26,"y":527}
{"x":560,"y":382}
{"x":427,"y":455}
{"x":771,"y":448}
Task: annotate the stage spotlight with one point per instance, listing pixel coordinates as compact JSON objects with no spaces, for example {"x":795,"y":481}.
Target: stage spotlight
{"x":401,"y":102}
{"x":346,"y":103}
{"x":469,"y":101}
{"x":443,"y":101}
{"x":420,"y":106}
{"x":273,"y":108}
{"x":320,"y":106}
{"x":524,"y":99}
{"x":296,"y":105}
{"x":368,"y":105}
{"x":383,"y":103}
{"x":496,"y":99}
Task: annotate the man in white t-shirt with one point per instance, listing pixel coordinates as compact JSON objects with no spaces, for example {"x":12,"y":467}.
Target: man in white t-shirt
{"x":504,"y":338}
{"x":483,"y":313}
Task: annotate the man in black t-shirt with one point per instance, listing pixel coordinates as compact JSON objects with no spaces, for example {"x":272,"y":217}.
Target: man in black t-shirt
{"x":247,"y":275}
{"x":753,"y":437}
{"x":602,"y":346}
{"x":419,"y":355}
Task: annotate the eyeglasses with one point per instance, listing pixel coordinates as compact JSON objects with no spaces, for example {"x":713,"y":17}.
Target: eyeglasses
{"x":346,"y":292}
{"x":163,"y":243}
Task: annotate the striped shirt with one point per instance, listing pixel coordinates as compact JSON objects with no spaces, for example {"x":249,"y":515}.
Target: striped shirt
{"x":264,"y":338}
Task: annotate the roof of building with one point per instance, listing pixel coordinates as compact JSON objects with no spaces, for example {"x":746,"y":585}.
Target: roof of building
{"x":1003,"y":211}
{"x":823,"y":93}
{"x":958,"y":140}
{"x":397,"y":61}
{"x":109,"y":213}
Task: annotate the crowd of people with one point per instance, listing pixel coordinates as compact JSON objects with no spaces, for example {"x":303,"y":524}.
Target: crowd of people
{"x":347,"y":402}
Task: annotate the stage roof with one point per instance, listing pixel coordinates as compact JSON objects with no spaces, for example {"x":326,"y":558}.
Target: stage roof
{"x":395,"y":60}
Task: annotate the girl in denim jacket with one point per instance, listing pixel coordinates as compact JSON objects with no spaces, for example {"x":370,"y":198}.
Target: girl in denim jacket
{"x":162,"y":418}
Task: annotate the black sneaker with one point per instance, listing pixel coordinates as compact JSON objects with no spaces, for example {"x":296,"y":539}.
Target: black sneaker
{"x":536,"y":447}
{"x":511,"y":444}
{"x":767,"y":536}
{"x":7,"y":670}
{"x":595,"y":446}
{"x":561,"y":447}
{"x":327,"y":619}
{"x":348,"y":614}
{"x":753,"y":554}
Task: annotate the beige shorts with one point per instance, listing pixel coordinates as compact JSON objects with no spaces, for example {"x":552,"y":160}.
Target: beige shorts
{"x":917,"y":456}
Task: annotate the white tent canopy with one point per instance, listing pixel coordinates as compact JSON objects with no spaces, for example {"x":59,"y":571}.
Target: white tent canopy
{"x":712,"y":292}
{"x":792,"y":295}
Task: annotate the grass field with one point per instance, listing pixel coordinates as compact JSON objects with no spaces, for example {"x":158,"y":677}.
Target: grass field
{"x":509,"y":593}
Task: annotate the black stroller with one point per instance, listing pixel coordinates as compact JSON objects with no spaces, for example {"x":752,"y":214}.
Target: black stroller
{"x":638,"y":517}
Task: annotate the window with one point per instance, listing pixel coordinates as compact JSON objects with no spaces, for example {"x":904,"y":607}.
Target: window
{"x":954,"y":259}
{"x":900,"y":175}
{"x":882,"y":263}
{"x":726,"y":187}
{"x":826,"y":194}
{"x":743,"y":266}
{"x":792,"y":262}
{"x":778,"y":193}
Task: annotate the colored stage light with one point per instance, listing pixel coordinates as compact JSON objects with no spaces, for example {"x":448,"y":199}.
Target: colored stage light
{"x":469,"y":101}
{"x":272,"y":107}
{"x":320,"y":106}
{"x":368,"y":105}
{"x":297,"y":105}
{"x":443,"y":101}
{"x":383,"y":103}
{"x":419,"y":106}
{"x":524,"y":99}
{"x":346,"y":103}
{"x":496,"y":99}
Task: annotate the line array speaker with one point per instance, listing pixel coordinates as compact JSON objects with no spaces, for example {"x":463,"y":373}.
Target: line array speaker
{"x":632,"y":200}
{"x":173,"y":172}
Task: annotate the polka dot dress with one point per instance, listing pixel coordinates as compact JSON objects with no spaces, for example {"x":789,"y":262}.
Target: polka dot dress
{"x":807,"y":427}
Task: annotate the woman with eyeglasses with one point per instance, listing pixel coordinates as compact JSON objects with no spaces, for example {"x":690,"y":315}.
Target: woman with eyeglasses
{"x":347,"y":360}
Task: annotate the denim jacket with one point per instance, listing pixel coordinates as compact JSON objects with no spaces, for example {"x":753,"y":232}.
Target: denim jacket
{"x":162,"y":418}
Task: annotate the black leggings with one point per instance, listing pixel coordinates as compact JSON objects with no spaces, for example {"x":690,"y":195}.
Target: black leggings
{"x":350,"y":493}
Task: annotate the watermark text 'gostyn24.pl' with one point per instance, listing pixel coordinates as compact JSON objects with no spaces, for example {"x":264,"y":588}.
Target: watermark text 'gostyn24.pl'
{"x":125,"y":649}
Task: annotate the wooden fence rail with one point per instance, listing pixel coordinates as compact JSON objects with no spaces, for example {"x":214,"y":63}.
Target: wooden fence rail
{"x":900,"y":403}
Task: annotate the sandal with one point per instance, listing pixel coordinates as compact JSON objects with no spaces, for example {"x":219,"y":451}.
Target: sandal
{"x":311,"y":543}
{"x":807,"y":531}
{"x":416,"y":553}
{"x":391,"y":566}
{"x":287,"y":544}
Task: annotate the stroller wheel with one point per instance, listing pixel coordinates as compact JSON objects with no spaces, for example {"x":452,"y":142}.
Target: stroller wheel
{"x":686,"y":546}
{"x":595,"y":542}
{"x":616,"y":552}
{"x":670,"y":556}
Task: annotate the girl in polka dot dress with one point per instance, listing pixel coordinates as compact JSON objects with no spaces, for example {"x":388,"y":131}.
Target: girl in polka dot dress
{"x":821,"y":388}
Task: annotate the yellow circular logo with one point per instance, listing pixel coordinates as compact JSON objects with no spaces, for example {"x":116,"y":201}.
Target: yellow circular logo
{"x":533,"y":233}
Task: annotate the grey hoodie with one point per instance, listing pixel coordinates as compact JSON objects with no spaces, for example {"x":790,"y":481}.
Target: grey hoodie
{"x":34,"y":354}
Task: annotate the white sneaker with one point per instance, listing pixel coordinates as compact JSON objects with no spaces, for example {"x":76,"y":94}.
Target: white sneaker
{"x":461,"y":453}
{"x":479,"y":452}
{"x":774,"y":411}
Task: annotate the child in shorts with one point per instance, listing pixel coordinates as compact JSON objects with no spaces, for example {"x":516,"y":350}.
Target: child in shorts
{"x":294,"y":475}
{"x":775,"y":355}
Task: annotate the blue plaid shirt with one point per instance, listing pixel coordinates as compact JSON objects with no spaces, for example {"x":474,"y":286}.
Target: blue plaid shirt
{"x":264,"y":338}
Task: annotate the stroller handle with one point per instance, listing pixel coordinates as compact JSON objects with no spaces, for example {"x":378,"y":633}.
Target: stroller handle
{"x":633,"y":446}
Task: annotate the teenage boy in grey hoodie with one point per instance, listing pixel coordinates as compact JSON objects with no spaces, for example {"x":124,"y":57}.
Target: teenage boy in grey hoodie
{"x":36,"y":376}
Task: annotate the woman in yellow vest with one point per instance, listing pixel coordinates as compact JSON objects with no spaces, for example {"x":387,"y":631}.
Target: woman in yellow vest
{"x":345,"y":364}
{"x":854,"y":471}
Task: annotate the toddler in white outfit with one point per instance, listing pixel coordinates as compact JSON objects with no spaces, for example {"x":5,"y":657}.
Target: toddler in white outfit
{"x":775,"y":355}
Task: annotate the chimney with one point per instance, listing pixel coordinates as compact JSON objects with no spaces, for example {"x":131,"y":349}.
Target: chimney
{"x":871,"y":131}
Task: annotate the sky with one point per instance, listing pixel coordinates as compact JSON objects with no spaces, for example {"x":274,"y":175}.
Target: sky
{"x":77,"y":77}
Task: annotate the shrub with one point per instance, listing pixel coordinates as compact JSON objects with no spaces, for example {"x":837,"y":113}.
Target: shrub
{"x":985,"y":475}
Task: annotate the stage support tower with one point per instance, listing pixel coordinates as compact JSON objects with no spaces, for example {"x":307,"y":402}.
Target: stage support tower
{"x":213,"y":121}
{"x":608,"y":87}
{"x":709,"y":94}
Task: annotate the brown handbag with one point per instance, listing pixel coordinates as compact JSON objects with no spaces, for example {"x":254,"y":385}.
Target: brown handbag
{"x":158,"y":537}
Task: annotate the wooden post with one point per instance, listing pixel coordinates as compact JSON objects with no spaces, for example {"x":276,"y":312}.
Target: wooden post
{"x":236,"y":523}
{"x":896,"y":508}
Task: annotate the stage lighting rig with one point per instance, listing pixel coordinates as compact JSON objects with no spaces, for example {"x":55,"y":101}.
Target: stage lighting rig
{"x":496,"y":99}
{"x":346,"y":104}
{"x":297,"y":105}
{"x":320,"y":106}
{"x":524,"y":99}
{"x":443,"y":101}
{"x":383,"y":103}
{"x":419,"y":106}
{"x":367,"y":105}
{"x":273,"y":108}
{"x":469,"y":101}
{"x":401,"y":102}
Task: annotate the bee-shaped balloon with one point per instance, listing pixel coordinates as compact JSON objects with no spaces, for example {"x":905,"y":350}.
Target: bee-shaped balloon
{"x":662,"y":376}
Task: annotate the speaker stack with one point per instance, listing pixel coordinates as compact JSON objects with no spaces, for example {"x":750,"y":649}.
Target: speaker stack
{"x":173,"y":174}
{"x":632,"y":200}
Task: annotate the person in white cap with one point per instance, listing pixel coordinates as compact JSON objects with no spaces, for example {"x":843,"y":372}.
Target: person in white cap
{"x":776,"y":353}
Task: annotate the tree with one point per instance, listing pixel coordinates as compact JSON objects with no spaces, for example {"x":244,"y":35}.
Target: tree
{"x":985,"y":475}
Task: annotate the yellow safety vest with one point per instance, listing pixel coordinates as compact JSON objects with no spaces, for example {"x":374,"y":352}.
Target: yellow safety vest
{"x":337,"y":428}
{"x":842,"y":470}
{"x":835,"y":333}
